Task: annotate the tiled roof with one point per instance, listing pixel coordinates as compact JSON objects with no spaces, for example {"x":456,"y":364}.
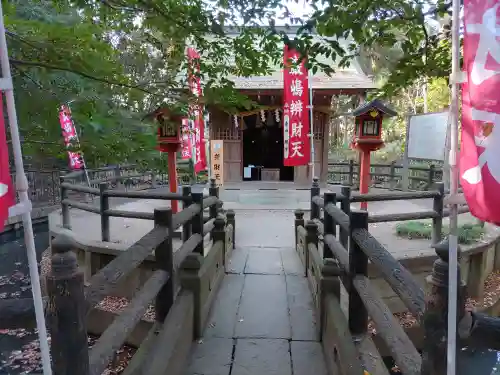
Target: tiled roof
{"x":344,"y":79}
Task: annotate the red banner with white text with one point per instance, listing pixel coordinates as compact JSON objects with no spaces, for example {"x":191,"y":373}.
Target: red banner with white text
{"x":296,"y":143}
{"x":69,"y":135}
{"x":7,"y":193}
{"x":196,"y":113}
{"x":186,"y":140}
{"x":480,"y":140}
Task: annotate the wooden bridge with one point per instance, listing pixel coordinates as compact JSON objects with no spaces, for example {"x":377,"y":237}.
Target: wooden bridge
{"x":298,"y":306}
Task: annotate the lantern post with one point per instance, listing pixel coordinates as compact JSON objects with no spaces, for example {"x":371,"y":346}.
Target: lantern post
{"x":368,"y":137}
{"x":169,"y":141}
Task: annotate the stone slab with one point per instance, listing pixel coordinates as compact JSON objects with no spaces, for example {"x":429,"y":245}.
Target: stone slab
{"x":238,"y":261}
{"x":308,"y":358}
{"x":262,"y":357}
{"x":291,"y":262}
{"x":223,"y":316}
{"x":211,"y":357}
{"x":300,"y":304}
{"x":263,"y":311}
{"x":264,"y":262}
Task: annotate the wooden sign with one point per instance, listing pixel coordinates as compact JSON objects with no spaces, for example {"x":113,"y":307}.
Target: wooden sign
{"x":217,"y":161}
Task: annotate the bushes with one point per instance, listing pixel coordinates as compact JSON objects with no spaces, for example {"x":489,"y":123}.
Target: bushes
{"x":467,"y":233}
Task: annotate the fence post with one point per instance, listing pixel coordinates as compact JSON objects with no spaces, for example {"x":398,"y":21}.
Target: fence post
{"x":328,"y":223}
{"x":231,"y":221}
{"x":435,"y":319}
{"x":311,"y":237}
{"x":438,"y":207}
{"x":358,"y":265}
{"x":213,"y":191}
{"x":197,"y":221}
{"x":186,"y":202}
{"x":66,"y":311}
{"x":118,"y":180}
{"x":104,"y":207}
{"x":350,"y":180}
{"x":164,"y":261}
{"x":345,"y":206}
{"x":432,"y":171}
{"x":219,"y":234}
{"x":299,"y":221}
{"x":392,"y":178}
{"x":315,"y":191}
{"x":66,"y":219}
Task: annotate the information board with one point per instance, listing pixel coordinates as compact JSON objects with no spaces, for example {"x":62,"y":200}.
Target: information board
{"x":427,"y":136}
{"x":217,"y":161}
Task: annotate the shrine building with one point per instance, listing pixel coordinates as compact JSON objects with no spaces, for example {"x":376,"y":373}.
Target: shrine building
{"x":253,"y":141}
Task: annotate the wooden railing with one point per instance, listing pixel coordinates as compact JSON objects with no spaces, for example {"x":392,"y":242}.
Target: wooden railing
{"x":387,"y":176}
{"x":175,"y":306}
{"x":336,"y":251}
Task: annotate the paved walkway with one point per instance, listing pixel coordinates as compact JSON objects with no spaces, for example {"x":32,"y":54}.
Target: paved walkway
{"x":262,"y":321}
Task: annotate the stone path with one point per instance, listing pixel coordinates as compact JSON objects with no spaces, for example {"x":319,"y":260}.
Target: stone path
{"x":262,"y":321}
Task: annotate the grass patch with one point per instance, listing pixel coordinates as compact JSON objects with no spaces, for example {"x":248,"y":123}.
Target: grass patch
{"x":467,"y":233}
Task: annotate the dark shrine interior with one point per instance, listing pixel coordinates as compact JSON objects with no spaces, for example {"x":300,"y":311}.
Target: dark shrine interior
{"x":263,"y":148}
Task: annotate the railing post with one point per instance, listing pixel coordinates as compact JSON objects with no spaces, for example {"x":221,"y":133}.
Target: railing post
{"x":66,"y":311}
{"x":392,"y":177}
{"x":197,"y":221}
{"x":66,"y":219}
{"x":231,"y":221}
{"x":350,"y":180}
{"x":104,"y":207}
{"x":328,"y":223}
{"x":117,"y":173}
{"x":345,"y":206}
{"x":186,"y":202}
{"x":438,"y":207}
{"x":315,"y":191}
{"x":164,"y":261}
{"x":213,"y":191}
{"x":430,"y":181}
{"x":435,"y":319}
{"x":299,"y":221}
{"x":358,"y":265}
{"x":311,"y":237}
{"x":219,"y":234}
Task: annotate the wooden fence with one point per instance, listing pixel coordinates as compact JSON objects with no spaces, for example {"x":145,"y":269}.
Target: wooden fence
{"x":336,"y":250}
{"x":387,"y":176}
{"x":183,"y":286}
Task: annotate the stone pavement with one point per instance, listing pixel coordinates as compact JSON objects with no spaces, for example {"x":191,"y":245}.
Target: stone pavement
{"x":262,"y":320}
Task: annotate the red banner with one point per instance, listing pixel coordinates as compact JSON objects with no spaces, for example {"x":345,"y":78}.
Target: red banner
{"x":69,"y":135}
{"x":7,"y":194}
{"x":480,"y":141}
{"x":296,"y":143}
{"x":196,"y":112}
{"x":186,"y":140}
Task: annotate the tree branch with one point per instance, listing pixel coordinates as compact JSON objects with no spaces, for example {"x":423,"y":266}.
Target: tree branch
{"x":82,"y":74}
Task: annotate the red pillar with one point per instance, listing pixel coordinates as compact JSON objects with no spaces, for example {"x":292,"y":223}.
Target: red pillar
{"x":364,"y":176}
{"x":172,"y":179}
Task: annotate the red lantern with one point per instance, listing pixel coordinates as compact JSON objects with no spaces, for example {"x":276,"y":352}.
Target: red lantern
{"x":169,"y":131}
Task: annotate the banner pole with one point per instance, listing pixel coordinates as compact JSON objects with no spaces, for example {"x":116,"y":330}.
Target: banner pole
{"x":453,"y":239}
{"x":311,"y":134}
{"x":22,"y":188}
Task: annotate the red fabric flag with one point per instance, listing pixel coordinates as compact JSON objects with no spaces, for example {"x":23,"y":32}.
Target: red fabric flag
{"x":296,"y":145}
{"x":69,"y":134}
{"x":186,"y":140}
{"x":196,"y":112}
{"x":7,"y":193}
{"x":480,"y":141}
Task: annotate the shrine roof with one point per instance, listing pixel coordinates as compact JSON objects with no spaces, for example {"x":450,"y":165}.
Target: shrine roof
{"x":341,"y":79}
{"x":376,"y":103}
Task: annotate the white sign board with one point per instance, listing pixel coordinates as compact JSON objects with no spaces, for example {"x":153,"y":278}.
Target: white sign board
{"x":427,"y":136}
